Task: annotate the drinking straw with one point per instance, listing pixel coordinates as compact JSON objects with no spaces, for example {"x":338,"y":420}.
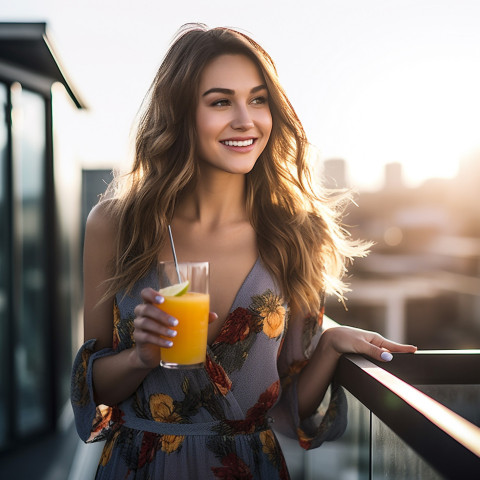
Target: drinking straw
{"x":174,"y":254}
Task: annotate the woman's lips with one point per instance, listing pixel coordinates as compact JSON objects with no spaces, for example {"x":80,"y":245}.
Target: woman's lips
{"x":238,"y":145}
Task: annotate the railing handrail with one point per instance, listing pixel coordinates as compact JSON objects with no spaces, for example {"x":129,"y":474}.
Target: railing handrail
{"x":447,"y":441}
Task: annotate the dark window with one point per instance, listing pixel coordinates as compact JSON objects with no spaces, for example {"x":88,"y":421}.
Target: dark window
{"x":4,"y":266}
{"x":31,"y":289}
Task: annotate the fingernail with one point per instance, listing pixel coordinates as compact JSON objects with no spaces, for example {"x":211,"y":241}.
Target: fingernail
{"x":172,"y":333}
{"x":387,"y":356}
{"x":159,"y":299}
{"x":173,"y":321}
{"x":169,"y":343}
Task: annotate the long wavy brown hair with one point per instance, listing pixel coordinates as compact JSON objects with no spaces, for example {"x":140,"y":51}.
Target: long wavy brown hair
{"x":299,"y":234}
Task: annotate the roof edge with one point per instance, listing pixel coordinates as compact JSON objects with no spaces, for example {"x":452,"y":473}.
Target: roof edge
{"x":38,"y":31}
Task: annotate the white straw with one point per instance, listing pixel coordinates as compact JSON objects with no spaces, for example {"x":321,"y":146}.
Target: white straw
{"x":174,"y":254}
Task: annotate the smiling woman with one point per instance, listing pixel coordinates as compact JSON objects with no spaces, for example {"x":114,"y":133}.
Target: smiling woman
{"x":234,"y":123}
{"x":221,"y":156}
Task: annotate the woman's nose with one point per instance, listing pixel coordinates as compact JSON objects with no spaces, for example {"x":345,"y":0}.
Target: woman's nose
{"x":242,"y":119}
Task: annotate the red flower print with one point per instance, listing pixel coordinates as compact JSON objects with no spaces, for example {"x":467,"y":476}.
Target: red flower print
{"x":284,"y":475}
{"x":150,"y":445}
{"x":116,"y":324}
{"x":117,"y":416}
{"x":218,"y":376}
{"x":237,"y":327}
{"x":256,"y":414}
{"x":234,"y":468}
{"x":304,"y":441}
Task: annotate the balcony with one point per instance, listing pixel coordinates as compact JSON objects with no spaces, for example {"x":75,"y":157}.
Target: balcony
{"x":417,"y":417}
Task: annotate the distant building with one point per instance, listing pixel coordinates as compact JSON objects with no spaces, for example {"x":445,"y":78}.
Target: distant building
{"x":421,"y":282}
{"x":335,"y":173}
{"x":394,"y":176}
{"x":40,"y":295}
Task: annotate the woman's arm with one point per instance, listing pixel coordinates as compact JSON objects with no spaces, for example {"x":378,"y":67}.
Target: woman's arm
{"x":318,"y":373}
{"x":116,"y":377}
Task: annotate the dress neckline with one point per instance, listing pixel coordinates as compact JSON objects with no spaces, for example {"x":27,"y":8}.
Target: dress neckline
{"x":235,"y":299}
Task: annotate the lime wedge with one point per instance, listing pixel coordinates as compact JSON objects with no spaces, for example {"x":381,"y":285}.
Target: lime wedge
{"x":175,"y":290}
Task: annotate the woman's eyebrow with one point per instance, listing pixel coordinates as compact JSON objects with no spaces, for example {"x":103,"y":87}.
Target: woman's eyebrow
{"x":228,"y":91}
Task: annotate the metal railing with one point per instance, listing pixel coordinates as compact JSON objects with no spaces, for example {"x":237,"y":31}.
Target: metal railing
{"x":423,"y":408}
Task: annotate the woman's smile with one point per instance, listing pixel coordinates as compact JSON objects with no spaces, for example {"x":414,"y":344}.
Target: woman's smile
{"x":239,"y":145}
{"x":233,"y":118}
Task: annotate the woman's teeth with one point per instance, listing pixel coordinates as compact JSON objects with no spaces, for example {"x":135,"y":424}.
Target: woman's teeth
{"x":235,"y":143}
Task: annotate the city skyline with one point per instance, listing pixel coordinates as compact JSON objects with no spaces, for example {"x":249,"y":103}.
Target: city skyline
{"x":373,"y":82}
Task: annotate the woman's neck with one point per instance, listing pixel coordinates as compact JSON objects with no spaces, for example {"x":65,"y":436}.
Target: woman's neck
{"x":216,"y":200}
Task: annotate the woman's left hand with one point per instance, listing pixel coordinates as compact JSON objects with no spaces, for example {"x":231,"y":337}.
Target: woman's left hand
{"x":317,"y":374}
{"x":344,"y":339}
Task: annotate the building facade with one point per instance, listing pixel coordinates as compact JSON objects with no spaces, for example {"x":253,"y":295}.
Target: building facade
{"x":40,"y":208}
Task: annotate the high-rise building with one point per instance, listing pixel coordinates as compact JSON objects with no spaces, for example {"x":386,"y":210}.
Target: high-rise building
{"x":393,"y":176}
{"x":335,"y":173}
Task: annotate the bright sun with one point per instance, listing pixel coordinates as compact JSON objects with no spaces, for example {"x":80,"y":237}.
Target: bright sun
{"x":423,"y":115}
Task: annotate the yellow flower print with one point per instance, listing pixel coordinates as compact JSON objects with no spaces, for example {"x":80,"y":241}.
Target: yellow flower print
{"x":107,"y":450}
{"x":270,"y":307}
{"x":273,"y":323}
{"x":269,"y":446}
{"x":170,"y":443}
{"x":163,"y":410}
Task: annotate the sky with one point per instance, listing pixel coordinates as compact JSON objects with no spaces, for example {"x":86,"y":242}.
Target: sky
{"x":373,"y":81}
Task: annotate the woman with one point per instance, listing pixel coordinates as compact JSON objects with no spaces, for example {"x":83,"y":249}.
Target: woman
{"x":221,"y":156}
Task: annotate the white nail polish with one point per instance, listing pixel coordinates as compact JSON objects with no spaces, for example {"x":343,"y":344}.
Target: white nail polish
{"x":159,"y":299}
{"x":387,"y":356}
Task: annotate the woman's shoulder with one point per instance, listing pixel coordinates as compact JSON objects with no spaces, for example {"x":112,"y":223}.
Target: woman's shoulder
{"x":101,"y":220}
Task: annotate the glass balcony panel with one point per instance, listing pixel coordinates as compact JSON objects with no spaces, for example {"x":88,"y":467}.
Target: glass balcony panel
{"x":461,"y":399}
{"x":348,"y":457}
{"x":393,"y":458}
{"x":31,"y":352}
{"x":4,"y":267}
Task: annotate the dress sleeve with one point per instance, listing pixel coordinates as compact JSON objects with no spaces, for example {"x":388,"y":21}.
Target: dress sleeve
{"x":330,"y":420}
{"x":92,"y":421}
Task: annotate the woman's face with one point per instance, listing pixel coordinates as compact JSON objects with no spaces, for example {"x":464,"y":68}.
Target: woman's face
{"x":233,"y":118}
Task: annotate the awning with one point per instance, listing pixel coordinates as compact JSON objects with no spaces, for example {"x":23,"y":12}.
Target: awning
{"x":27,"y":45}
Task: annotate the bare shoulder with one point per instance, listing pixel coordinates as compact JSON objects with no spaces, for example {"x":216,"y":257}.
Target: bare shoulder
{"x":99,"y":247}
{"x":100,"y":221}
{"x":98,"y":254}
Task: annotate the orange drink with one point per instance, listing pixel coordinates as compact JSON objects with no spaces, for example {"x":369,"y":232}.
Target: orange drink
{"x":184,"y":287}
{"x":190,"y":343}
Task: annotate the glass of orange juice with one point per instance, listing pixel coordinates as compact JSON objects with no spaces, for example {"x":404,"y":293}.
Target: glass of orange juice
{"x":186,"y":298}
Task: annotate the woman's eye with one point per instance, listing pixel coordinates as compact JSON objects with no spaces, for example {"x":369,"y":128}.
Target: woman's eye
{"x":220,"y":103}
{"x":260,"y":100}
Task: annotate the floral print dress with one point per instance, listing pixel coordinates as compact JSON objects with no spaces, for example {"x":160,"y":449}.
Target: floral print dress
{"x":214,"y":422}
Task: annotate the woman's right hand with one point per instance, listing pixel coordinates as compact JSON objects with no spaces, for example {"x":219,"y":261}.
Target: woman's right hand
{"x":153,"y":328}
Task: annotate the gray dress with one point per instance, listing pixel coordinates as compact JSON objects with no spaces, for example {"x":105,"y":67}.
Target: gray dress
{"x":214,"y":422}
